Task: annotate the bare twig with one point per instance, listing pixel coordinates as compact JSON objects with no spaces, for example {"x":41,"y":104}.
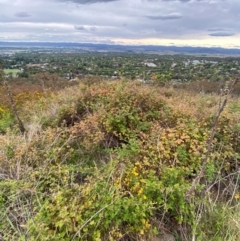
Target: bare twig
{"x":209,"y":143}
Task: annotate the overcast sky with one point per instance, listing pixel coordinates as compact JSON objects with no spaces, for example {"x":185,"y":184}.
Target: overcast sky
{"x":164,"y":22}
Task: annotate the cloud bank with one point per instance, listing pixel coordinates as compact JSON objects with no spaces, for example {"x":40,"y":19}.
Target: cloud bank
{"x":181,"y":22}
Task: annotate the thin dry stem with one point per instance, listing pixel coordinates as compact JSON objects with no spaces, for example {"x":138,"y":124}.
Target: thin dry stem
{"x":209,"y":144}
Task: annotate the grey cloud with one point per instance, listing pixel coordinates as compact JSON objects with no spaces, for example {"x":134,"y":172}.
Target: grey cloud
{"x":170,"y":0}
{"x":80,"y":28}
{"x":93,"y":29}
{"x":222,"y":34}
{"x":217,"y":29}
{"x":3,"y":16}
{"x":178,"y":0}
{"x":166,"y":16}
{"x":22,"y":15}
{"x":88,"y":1}
{"x":183,"y":0}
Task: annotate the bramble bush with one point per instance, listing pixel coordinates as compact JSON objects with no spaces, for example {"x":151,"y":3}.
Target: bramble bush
{"x":6,"y":119}
{"x":115,"y":160}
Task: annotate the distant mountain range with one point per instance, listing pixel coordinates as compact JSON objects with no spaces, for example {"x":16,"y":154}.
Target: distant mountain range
{"x":124,"y":48}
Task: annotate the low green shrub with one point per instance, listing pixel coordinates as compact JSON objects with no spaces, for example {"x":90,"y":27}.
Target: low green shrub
{"x":6,"y":120}
{"x":115,"y":162}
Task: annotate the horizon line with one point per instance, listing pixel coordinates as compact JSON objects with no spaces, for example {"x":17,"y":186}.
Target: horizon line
{"x":122,"y":44}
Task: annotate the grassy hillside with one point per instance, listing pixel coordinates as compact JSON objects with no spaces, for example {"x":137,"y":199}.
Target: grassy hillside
{"x":115,"y":161}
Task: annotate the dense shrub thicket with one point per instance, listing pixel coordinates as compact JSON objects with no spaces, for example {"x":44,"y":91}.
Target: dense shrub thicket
{"x":114,"y":161}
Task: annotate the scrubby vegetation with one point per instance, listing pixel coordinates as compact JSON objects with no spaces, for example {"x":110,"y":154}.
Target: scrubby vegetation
{"x":115,"y":160}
